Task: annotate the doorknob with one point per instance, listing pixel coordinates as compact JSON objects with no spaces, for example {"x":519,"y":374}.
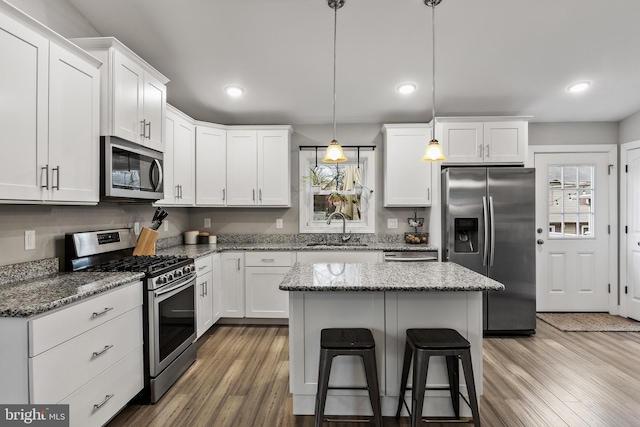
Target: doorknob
{"x":540,"y":242}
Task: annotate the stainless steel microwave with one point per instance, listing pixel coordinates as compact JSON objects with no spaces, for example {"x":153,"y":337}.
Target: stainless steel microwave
{"x":130,"y":171}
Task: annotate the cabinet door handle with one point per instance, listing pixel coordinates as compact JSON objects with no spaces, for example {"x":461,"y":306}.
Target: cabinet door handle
{"x":487,"y":150}
{"x":148,"y":125}
{"x":144,"y":127}
{"x":260,"y":194}
{"x":101,"y":404}
{"x":238,"y":264}
{"x":98,"y":353}
{"x":481,"y":148}
{"x":100,"y":313}
{"x":429,"y":194}
{"x":181,"y":191}
{"x":57,"y":171}
{"x":224,"y":195}
{"x":254,"y":195}
{"x":46,"y":176}
{"x":204,"y":289}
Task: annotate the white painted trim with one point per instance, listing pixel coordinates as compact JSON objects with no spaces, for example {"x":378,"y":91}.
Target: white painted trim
{"x":624,"y":155}
{"x":614,"y":260}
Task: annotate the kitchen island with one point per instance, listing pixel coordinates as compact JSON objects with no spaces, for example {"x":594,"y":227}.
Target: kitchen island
{"x":387,"y":298}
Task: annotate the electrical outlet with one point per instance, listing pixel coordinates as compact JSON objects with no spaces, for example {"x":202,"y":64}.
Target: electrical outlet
{"x":207,"y":223}
{"x":279,"y":223}
{"x":392,"y":223}
{"x":166,"y":225}
{"x":29,"y":240}
{"x":136,"y":228}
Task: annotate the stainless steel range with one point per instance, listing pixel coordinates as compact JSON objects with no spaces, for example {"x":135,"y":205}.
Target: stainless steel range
{"x":169,"y":300}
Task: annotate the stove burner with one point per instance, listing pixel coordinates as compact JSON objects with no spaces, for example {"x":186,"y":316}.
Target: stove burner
{"x":150,"y":264}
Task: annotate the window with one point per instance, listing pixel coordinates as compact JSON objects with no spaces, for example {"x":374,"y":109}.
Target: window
{"x":571,"y":191}
{"x":337,"y":187}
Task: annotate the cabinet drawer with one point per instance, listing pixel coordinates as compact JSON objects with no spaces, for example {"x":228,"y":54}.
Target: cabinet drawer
{"x":204,"y":264}
{"x":52,"y":329}
{"x":58,"y":372}
{"x":268,"y":259}
{"x":122,"y":382}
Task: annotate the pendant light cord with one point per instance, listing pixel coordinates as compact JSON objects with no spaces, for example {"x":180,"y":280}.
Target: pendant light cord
{"x":433,"y":63}
{"x":335,"y":32}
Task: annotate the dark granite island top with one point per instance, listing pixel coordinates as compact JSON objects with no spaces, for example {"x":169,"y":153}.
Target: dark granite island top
{"x":387,"y":277}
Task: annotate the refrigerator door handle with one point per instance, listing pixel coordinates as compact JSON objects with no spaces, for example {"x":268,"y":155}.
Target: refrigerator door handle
{"x":493,"y":232}
{"x":485,"y":214}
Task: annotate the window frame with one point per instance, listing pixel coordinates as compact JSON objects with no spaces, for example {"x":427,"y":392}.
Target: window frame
{"x":307,"y":159}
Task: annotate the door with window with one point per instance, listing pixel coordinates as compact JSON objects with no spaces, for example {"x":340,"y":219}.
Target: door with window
{"x":572,"y":216}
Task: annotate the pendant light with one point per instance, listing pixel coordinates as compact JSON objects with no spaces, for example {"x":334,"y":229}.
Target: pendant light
{"x":433,"y":153}
{"x":334,"y":150}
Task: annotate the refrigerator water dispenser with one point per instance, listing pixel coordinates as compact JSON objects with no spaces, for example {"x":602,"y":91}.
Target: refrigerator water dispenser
{"x":466,"y":235}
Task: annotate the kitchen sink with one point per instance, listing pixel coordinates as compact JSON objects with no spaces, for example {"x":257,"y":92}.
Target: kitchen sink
{"x":336,"y":244}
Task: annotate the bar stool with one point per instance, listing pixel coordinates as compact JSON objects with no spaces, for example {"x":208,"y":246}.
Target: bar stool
{"x":437,"y":342}
{"x":347,"y":342}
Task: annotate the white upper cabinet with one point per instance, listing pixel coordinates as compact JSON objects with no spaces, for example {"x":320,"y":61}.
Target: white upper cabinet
{"x":407,"y":179}
{"x":49,"y":115}
{"x":179,"y":160}
{"x":211,"y":165}
{"x":134,"y":94}
{"x":485,"y":140}
{"x":258,"y":167}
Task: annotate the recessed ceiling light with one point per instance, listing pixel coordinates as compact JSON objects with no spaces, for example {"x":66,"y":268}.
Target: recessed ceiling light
{"x":579,"y":86}
{"x":406,"y":87}
{"x":233,"y":90}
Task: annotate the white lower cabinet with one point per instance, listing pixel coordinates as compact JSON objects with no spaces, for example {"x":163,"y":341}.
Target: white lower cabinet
{"x":204,"y":294}
{"x":232,"y":284}
{"x":263,"y":274}
{"x":88,"y":354}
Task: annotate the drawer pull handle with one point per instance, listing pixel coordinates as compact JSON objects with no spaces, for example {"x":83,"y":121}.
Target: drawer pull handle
{"x":98,"y":353}
{"x":101,"y":404}
{"x":106,"y":309}
{"x":268,"y":260}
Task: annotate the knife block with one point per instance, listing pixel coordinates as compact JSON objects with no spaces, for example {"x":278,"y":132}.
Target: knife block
{"x":146,"y":242}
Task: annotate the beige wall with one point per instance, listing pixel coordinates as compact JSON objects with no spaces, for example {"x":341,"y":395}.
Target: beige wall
{"x":630,"y":128}
{"x":578,"y":133}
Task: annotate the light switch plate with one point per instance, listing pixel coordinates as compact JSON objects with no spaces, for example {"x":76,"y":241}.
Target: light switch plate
{"x":279,"y":223}
{"x":136,"y":228}
{"x":29,"y":240}
{"x":166,"y":225}
{"x":392,"y":223}
{"x":207,"y":223}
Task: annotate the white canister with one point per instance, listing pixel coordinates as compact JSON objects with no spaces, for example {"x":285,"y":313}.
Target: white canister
{"x":212,"y":239}
{"x":191,"y":237}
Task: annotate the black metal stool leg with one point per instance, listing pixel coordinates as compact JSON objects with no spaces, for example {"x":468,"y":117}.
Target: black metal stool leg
{"x":471,"y":386}
{"x":454,"y":383}
{"x":371,"y":371}
{"x":326,"y":357}
{"x":420,"y":367}
{"x":408,"y":353}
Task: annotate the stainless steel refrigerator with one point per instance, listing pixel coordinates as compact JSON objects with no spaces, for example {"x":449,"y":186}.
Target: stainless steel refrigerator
{"x":488,"y":216}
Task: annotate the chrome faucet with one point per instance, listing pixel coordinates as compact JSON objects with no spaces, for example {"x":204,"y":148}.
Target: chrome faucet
{"x":345,"y":237}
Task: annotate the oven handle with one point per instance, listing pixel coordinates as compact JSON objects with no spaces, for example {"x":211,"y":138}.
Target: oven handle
{"x":176,"y":286}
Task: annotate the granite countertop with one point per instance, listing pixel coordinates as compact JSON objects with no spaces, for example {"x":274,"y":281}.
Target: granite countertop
{"x":197,"y":251}
{"x":390,"y":277}
{"x":40,"y":294}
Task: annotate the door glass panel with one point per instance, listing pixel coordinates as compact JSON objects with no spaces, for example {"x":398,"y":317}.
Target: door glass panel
{"x":571,"y":192}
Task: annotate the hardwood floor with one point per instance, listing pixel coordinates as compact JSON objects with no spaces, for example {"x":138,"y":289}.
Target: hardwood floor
{"x":551,"y":379}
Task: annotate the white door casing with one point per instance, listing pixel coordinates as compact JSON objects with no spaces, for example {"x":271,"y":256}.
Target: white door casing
{"x":630,"y":230}
{"x":577,"y":272}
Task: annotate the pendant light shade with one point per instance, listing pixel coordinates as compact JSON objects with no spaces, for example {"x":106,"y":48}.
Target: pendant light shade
{"x":334,"y":150}
{"x":334,"y":153}
{"x":434,"y":152}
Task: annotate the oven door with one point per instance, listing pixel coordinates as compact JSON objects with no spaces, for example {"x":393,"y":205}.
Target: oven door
{"x":172,"y":322}
{"x":130,"y":171}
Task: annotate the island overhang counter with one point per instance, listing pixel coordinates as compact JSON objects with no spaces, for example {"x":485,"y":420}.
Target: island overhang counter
{"x":388,"y":299}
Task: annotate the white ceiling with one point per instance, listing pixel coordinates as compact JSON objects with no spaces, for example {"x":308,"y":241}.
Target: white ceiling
{"x":494,"y":57}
